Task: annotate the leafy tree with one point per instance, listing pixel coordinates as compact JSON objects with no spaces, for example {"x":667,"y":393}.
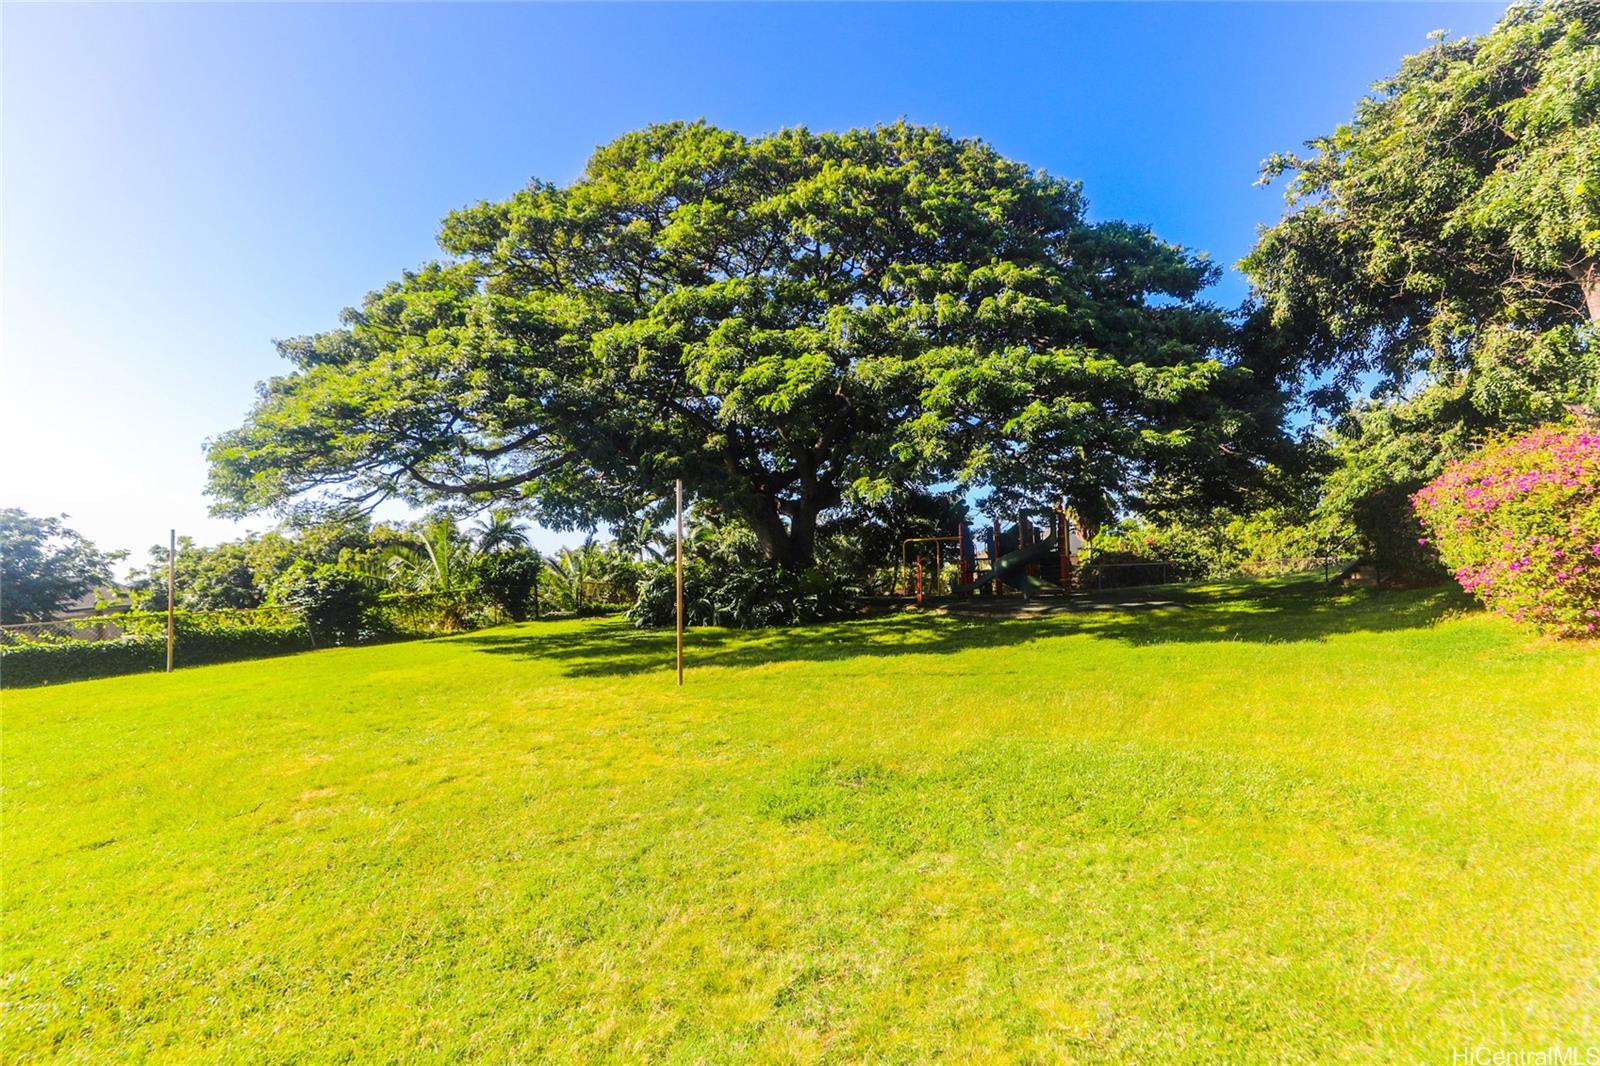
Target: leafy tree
{"x":44,"y":566}
{"x":344,"y":539}
{"x":1382,"y":453}
{"x":510,"y":580}
{"x":335,"y":601}
{"x":649,"y":536}
{"x":1451,"y":229}
{"x":789,"y":323}
{"x":222,"y":578}
{"x":240,"y":573}
{"x":206,"y":578}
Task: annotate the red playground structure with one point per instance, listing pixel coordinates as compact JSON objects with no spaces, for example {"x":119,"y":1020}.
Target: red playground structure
{"x":1034,"y":560}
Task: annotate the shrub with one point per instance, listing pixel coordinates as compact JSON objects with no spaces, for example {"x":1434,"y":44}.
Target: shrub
{"x":1383,"y":454}
{"x":419,"y":614}
{"x":743,"y":595}
{"x":336,"y":603}
{"x":1267,"y":541}
{"x":1139,"y":552}
{"x":200,"y":643}
{"x":1112,"y":569}
{"x":1519,"y":524}
{"x":508,"y":579}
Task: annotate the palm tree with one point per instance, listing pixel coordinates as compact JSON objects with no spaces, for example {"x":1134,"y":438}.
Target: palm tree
{"x":651,"y":538}
{"x":500,"y":531}
{"x":570,"y":570}
{"x":436,"y":562}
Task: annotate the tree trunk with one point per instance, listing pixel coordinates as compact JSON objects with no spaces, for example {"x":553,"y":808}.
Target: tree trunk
{"x":771,"y":533}
{"x":803,"y":534}
{"x":791,"y":544}
{"x":1586,"y":272}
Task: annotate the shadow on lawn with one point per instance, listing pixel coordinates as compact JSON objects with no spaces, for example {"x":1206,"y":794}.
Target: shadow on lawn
{"x":1259,"y":613}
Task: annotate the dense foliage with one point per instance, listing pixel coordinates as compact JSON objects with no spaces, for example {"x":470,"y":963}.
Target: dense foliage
{"x":335,"y":602}
{"x":239,"y":574}
{"x":728,"y":582}
{"x":794,"y":324}
{"x":79,"y":660}
{"x":1519,"y":524}
{"x":199,"y":640}
{"x":742,"y":594}
{"x":44,"y":566}
{"x":431,"y":555}
{"x":593,"y":576}
{"x":509,"y":579}
{"x":1444,"y":246}
{"x":1452,"y":228}
{"x":1382,"y":453}
{"x":325,"y":583}
{"x":1272,"y":540}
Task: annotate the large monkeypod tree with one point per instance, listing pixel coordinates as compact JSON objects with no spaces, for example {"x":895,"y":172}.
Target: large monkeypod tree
{"x":790,"y":323}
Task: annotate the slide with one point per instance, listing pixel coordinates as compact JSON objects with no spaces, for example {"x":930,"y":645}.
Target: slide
{"x":1011,"y":569}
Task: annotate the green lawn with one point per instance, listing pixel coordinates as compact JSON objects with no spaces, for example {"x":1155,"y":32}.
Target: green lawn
{"x":1271,"y":825}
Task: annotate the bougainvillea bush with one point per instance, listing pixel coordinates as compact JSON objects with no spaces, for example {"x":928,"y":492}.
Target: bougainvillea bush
{"x":1519,"y":524}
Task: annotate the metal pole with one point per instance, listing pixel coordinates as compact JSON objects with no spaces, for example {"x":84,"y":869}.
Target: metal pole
{"x":172,"y":585}
{"x":678,"y":566}
{"x":968,"y":561}
{"x":994,"y":560}
{"x":1063,"y":548}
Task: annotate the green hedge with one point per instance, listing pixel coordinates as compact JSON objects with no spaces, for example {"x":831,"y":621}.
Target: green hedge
{"x":218,"y":637}
{"x":79,"y":660}
{"x":41,"y":664}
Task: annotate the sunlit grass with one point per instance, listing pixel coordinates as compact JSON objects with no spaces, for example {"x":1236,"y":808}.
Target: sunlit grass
{"x":1269,"y":824}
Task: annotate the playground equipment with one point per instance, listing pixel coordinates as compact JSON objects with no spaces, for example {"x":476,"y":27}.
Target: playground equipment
{"x":1025,"y":558}
{"x":938,"y":566}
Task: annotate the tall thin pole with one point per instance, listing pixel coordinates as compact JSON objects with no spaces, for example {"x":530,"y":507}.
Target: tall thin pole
{"x":1064,"y":544}
{"x":678,"y":566}
{"x":172,"y":586}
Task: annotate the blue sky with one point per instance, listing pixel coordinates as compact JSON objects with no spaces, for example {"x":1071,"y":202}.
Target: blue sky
{"x":183,"y":183}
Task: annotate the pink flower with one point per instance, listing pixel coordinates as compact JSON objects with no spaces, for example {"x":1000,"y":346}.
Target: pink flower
{"x":1490,"y":516}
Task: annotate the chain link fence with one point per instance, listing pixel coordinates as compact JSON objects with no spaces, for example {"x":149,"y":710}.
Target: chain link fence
{"x":1105,"y":575}
{"x":417,"y":614}
{"x":120,"y":624}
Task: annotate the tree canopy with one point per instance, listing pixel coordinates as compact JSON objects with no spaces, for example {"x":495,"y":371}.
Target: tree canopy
{"x":1442,"y":249}
{"x":791,"y":323}
{"x":44,"y":566}
{"x":1451,"y":230}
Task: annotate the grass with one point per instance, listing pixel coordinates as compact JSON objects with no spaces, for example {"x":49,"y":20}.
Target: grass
{"x":1267,"y":825}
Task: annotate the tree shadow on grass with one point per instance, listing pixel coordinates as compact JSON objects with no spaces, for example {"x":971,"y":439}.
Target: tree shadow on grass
{"x":1280,"y":611}
{"x":1254,"y":612}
